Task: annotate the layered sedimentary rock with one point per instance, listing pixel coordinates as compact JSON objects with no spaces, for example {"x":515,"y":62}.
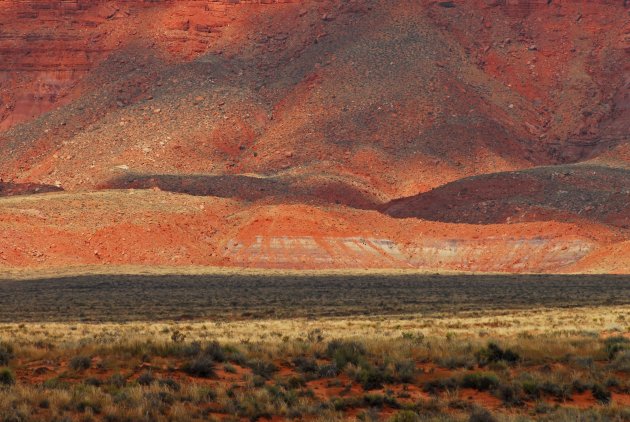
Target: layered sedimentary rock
{"x":486,"y":135}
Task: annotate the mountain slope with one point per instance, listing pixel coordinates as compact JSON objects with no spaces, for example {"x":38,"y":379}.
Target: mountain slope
{"x":444,"y":113}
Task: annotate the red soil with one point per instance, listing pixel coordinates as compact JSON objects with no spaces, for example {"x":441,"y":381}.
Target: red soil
{"x":325,"y":389}
{"x":294,"y":125}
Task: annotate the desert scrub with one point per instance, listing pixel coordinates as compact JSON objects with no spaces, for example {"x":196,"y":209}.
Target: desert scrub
{"x":80,"y":363}
{"x":146,"y":378}
{"x":371,"y":377}
{"x":494,"y":353}
{"x":306,"y":365}
{"x":480,"y":381}
{"x":621,"y":362}
{"x":343,"y":353}
{"x":229,"y":368}
{"x":6,"y":353}
{"x":553,"y":364}
{"x":480,"y":414}
{"x":262,"y":368}
{"x":202,"y":366}
{"x":615,"y":345}
{"x":601,"y":393}
{"x":439,"y":385}
{"x":511,"y":394}
{"x":404,"y":371}
{"x":6,"y":377}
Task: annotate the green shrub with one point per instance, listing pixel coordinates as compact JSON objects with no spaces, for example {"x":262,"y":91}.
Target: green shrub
{"x":6,"y":354}
{"x":405,"y":371}
{"x":305,"y":365}
{"x":80,"y":363}
{"x":480,"y":381}
{"x":614,"y":345}
{"x":94,"y":382}
{"x":560,"y":392}
{"x":258,"y":381}
{"x":371,"y":378}
{"x":344,"y":352}
{"x":171,"y":384}
{"x":621,"y":362}
{"x":494,"y":353}
{"x":600,"y":393}
{"x":405,"y":416}
{"x":6,"y":377}
{"x":456,"y":362}
{"x":56,"y":384}
{"x":480,"y":414}
{"x":234,"y":355}
{"x":417,"y":337}
{"x":328,"y":371}
{"x":531,"y":388}
{"x":542,"y":408}
{"x":438,"y":385}
{"x":510,"y":394}
{"x":117,"y":380}
{"x":178,"y":336}
{"x":579,"y":386}
{"x":201,"y":366}
{"x":379,"y":400}
{"x":186,"y":349}
{"x":295,"y":382}
{"x":215,"y":352}
{"x":146,"y":378}
{"x":263,"y":369}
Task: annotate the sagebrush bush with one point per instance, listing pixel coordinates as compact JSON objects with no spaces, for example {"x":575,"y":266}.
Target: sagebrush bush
{"x":436,"y":386}
{"x":621,"y":362}
{"x":614,"y":345}
{"x":600,"y":393}
{"x":170,"y":384}
{"x":510,"y":394}
{"x":371,"y":378}
{"x":405,"y":371}
{"x":263,"y":369}
{"x":561,"y":392}
{"x":6,"y":353}
{"x":80,"y":363}
{"x":480,"y":414}
{"x":117,"y":380}
{"x":480,"y":381}
{"x":405,"y":416}
{"x":201,"y":366}
{"x":146,"y":378}
{"x":344,"y":352}
{"x":6,"y":377}
{"x":494,"y":353}
{"x":215,"y":352}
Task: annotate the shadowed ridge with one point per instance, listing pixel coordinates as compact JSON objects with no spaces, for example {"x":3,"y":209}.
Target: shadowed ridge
{"x":563,"y":193}
{"x":282,"y":189}
{"x":14,"y":189}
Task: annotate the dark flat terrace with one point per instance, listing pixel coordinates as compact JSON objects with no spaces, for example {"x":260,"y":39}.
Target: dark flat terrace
{"x":98,"y":298}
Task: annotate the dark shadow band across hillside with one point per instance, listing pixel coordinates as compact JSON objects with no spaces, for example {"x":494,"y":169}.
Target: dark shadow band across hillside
{"x":15,"y":189}
{"x":100,"y":298}
{"x":301,"y":189}
{"x":563,"y":193}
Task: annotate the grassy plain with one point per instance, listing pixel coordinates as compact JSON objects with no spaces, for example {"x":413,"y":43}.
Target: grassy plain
{"x":426,"y":348}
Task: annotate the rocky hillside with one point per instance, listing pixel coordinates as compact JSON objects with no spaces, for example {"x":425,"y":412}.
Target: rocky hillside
{"x":480,"y":135}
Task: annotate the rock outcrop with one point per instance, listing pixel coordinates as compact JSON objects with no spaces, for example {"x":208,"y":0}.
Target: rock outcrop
{"x":484,"y":135}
